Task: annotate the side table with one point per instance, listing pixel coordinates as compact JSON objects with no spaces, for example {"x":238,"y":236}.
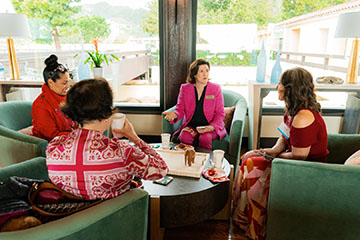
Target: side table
{"x":187,"y":201}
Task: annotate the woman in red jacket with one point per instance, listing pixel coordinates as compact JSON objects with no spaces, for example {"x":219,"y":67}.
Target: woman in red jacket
{"x":48,"y":121}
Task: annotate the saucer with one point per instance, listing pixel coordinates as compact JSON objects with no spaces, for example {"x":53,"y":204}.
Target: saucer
{"x":219,"y":173}
{"x":183,"y":147}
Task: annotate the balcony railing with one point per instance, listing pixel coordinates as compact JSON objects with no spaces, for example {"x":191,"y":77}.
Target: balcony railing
{"x":330,"y":62}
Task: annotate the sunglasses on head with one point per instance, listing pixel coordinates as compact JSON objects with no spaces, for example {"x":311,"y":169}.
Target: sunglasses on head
{"x":59,"y":68}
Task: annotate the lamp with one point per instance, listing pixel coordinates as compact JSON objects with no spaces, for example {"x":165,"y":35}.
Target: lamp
{"x":13,"y":25}
{"x":348,"y":27}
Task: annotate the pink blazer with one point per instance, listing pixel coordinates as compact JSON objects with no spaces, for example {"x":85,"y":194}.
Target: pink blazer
{"x":213,"y":107}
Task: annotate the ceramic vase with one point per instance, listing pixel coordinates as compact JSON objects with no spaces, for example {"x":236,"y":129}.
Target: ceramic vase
{"x":98,"y":72}
{"x":261,"y":65}
{"x":276,"y":71}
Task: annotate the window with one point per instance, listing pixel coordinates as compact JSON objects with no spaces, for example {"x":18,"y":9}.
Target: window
{"x":128,"y":29}
{"x":230,"y":34}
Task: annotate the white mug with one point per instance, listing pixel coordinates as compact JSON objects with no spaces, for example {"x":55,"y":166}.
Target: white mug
{"x":165,"y":140}
{"x":118,"y":120}
{"x":218,"y":158}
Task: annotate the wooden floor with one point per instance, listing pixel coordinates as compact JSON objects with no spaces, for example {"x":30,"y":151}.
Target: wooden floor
{"x":209,"y":230}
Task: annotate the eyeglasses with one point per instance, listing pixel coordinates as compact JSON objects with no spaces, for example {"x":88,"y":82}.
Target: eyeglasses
{"x":60,"y":68}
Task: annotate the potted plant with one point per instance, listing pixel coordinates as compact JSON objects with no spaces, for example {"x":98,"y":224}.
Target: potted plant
{"x":97,"y":59}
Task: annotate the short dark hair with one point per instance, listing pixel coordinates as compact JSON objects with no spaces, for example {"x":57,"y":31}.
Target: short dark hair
{"x":299,"y":91}
{"x":89,"y":100}
{"x":194,"y":68}
{"x":53,"y":69}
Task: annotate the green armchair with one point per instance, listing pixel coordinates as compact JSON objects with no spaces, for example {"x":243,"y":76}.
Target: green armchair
{"x":123,"y":217}
{"x":231,"y":143}
{"x":15,"y":146}
{"x":316,"y":201}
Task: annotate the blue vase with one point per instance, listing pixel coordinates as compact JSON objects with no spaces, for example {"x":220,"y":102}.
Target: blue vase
{"x":261,"y":65}
{"x":276,"y":71}
{"x":83,"y":69}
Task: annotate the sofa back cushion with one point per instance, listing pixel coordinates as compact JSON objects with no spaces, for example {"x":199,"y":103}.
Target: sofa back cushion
{"x":15,"y":115}
{"x":342,"y":146}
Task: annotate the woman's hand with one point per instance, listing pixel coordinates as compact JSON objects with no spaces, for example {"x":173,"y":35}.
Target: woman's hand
{"x":127,"y":131}
{"x":269,"y":151}
{"x":170,"y":116}
{"x":205,"y":129}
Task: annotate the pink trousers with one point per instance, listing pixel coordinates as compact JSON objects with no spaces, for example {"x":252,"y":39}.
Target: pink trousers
{"x":188,"y":135}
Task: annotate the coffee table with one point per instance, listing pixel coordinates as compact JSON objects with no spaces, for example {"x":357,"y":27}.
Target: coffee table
{"x":188,"y":200}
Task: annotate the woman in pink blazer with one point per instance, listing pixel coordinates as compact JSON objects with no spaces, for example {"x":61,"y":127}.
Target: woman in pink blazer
{"x":201,"y":106}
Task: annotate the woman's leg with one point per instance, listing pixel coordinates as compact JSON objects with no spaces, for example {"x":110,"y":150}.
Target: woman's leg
{"x":205,"y":139}
{"x":187,"y":135}
{"x":251,"y":190}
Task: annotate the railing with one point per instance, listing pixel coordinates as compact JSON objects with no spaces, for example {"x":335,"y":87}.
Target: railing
{"x":293,"y":57}
{"x":136,"y":62}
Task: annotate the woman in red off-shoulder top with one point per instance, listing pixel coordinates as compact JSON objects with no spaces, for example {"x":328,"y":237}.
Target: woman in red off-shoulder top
{"x":303,"y":137}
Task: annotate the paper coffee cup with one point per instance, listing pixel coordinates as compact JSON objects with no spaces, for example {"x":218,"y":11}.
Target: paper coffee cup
{"x":118,"y":120}
{"x":165,"y":140}
{"x":218,"y":158}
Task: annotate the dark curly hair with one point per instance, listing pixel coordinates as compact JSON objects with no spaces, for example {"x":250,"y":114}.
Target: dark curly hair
{"x":194,"y":68}
{"x":89,"y":100}
{"x":53,"y":69}
{"x":299,"y":91}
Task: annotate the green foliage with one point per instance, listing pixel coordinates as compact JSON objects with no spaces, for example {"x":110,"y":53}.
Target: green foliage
{"x":59,"y":12}
{"x":260,"y":12}
{"x":98,"y":58}
{"x":226,"y":59}
{"x":293,"y":8}
{"x":93,"y":27}
{"x":151,"y":21}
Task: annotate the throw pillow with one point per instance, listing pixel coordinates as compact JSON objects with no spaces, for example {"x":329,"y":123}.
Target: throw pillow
{"x":229,"y":113}
{"x":27,"y":131}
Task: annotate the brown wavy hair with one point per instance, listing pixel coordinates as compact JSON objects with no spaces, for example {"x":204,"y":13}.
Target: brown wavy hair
{"x":194,"y":68}
{"x":89,"y":100}
{"x":299,"y":91}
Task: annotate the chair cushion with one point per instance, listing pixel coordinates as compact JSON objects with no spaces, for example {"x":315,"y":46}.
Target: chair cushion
{"x":223,"y":144}
{"x":27,"y":131}
{"x":229,"y":113}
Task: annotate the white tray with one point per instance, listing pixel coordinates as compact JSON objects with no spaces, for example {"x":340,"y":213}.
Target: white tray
{"x":175,"y":160}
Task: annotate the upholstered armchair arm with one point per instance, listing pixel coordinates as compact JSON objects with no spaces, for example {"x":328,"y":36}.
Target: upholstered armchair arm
{"x":17,"y":147}
{"x":123,"y":217}
{"x":237,"y":130}
{"x":167,"y":127}
{"x":342,"y":146}
{"x":310,"y":200}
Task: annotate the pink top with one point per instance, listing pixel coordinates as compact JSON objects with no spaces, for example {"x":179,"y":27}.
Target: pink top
{"x":89,"y":164}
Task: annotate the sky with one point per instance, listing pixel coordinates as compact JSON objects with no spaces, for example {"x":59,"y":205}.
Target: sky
{"x":6,"y":5}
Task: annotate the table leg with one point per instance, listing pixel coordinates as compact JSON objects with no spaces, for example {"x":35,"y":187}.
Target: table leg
{"x":254,"y":106}
{"x":156,"y":232}
{"x":225,"y":213}
{"x":2,"y":96}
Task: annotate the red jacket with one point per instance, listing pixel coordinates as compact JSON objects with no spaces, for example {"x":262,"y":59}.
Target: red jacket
{"x":48,"y":121}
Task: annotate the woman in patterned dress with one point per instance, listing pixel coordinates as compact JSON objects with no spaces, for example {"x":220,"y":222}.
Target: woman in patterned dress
{"x":89,"y":164}
{"x":303,"y":137}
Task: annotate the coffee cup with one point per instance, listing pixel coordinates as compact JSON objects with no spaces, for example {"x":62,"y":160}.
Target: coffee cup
{"x":218,"y":158}
{"x":165,"y":140}
{"x":118,"y":120}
